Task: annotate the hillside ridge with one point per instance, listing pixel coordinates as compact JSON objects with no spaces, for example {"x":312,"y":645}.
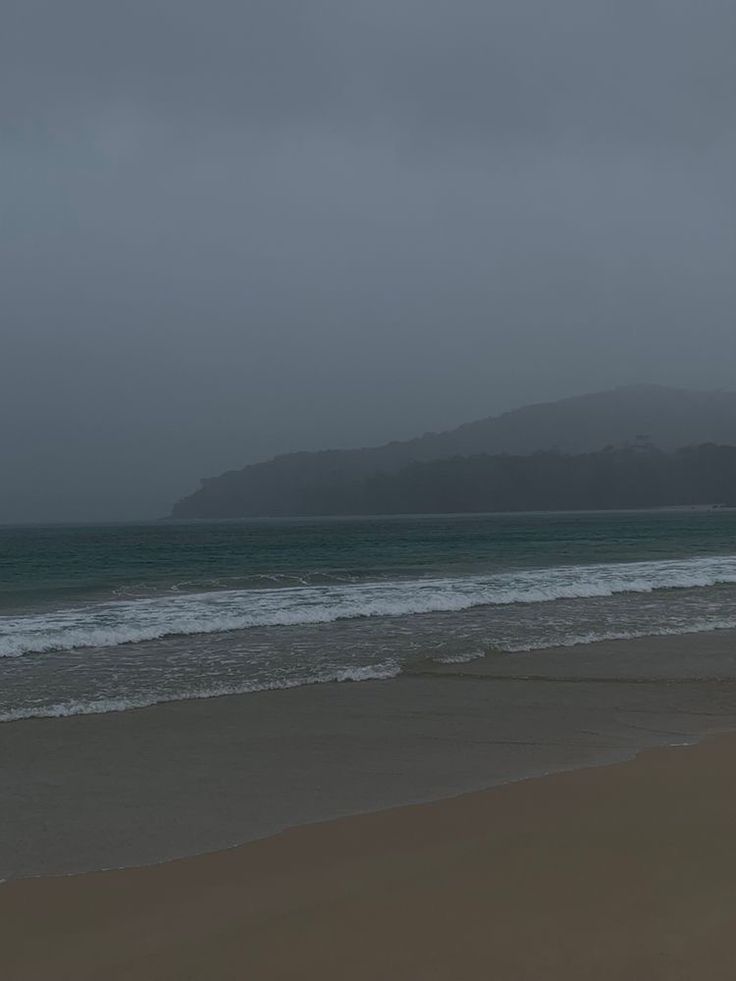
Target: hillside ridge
{"x":664,"y":417}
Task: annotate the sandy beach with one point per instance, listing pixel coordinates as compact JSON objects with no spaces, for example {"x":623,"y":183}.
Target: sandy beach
{"x":562,"y":814}
{"x":126,"y":789}
{"x":618,"y":872}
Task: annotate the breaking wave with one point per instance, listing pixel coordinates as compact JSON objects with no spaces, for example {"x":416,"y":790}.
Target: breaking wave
{"x":127,"y":621}
{"x":382,"y":671}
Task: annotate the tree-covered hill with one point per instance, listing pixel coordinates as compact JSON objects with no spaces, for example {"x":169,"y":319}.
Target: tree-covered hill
{"x":488,"y":464}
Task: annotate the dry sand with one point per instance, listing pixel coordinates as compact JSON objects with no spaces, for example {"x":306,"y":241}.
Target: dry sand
{"x":625,"y":872}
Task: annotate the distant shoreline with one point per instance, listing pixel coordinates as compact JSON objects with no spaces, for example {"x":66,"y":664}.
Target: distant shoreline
{"x":367,"y":516}
{"x":168,"y":519}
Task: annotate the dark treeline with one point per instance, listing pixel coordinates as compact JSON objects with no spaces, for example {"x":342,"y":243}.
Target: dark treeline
{"x":630,"y":477}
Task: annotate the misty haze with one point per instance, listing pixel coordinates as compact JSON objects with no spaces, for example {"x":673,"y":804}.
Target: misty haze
{"x":367,"y":490}
{"x":235,"y":230}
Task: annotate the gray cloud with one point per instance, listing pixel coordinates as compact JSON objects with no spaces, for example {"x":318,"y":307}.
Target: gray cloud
{"x":229,"y":230}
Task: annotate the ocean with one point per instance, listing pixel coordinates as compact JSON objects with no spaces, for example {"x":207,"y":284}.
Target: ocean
{"x":97,"y":619}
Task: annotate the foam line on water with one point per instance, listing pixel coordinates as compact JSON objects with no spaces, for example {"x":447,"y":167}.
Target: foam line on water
{"x":382,"y":671}
{"x":101,"y":706}
{"x":597,"y":637}
{"x":136,"y":620}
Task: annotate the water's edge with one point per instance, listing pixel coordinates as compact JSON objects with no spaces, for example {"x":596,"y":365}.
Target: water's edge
{"x":133,"y":789}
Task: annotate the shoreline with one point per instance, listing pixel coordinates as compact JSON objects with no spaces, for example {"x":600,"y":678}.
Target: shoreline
{"x":467,"y":667}
{"x":132,"y":789}
{"x":621,"y":872}
{"x":624,"y":760}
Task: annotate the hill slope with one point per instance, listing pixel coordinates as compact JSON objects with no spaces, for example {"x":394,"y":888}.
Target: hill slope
{"x":316,"y":483}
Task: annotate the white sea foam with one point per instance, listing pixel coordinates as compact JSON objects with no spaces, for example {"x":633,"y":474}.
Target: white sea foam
{"x":99,"y":706}
{"x":145,"y":619}
{"x":462,"y":658}
{"x":382,"y":671}
{"x":579,"y":640}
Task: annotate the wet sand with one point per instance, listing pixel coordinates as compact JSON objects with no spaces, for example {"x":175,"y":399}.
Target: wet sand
{"x":623,"y":872}
{"x":618,"y":871}
{"x":139,"y":787}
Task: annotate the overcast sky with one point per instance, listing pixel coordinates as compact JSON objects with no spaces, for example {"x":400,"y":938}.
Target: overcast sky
{"x":239,"y":227}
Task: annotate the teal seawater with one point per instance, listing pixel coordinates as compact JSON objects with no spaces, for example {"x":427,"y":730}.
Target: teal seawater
{"x":100,"y":618}
{"x":57,"y":564}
